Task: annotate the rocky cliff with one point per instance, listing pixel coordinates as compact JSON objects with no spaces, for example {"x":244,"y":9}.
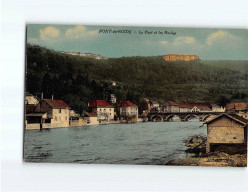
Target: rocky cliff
{"x":180,"y":57}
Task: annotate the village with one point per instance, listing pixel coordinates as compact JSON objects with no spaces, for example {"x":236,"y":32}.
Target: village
{"x":226,"y":127}
{"x":51,"y":113}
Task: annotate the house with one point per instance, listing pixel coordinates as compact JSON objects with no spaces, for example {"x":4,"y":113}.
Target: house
{"x":103,"y":109}
{"x":154,"y":105}
{"x":127,"y":109}
{"x":113,"y":83}
{"x":240,"y":108}
{"x":57,"y":113}
{"x":30,"y":102}
{"x":30,"y":99}
{"x":184,"y":107}
{"x":226,"y":130}
{"x":170,"y":106}
{"x":91,"y":118}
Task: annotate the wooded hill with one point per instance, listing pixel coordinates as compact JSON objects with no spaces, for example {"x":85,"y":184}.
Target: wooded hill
{"x":78,"y":80}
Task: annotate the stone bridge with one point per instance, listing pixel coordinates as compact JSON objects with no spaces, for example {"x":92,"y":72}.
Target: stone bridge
{"x":183,"y":116}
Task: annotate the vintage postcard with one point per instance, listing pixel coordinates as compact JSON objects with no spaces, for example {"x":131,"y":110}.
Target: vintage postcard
{"x":136,"y":95}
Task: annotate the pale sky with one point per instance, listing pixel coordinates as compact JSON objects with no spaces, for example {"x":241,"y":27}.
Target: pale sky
{"x":209,"y":44}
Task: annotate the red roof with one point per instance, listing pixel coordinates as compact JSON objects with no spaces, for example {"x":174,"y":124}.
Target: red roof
{"x":99,"y":103}
{"x":205,"y":106}
{"x":126,"y":103}
{"x":185,"y":104}
{"x":57,"y":103}
{"x":171,"y":103}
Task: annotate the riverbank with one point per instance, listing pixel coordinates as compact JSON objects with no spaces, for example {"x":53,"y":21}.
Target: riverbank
{"x":196,"y":148}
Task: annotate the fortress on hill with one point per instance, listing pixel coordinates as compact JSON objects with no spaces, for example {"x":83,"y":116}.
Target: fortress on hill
{"x":180,"y":57}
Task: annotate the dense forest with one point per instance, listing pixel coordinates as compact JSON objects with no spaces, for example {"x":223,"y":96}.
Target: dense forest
{"x":79,"y":80}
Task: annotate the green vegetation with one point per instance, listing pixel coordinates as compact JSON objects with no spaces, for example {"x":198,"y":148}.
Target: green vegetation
{"x":79,"y":80}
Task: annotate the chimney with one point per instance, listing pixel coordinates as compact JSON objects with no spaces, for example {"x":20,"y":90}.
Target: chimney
{"x":41,"y":96}
{"x":52,"y":97}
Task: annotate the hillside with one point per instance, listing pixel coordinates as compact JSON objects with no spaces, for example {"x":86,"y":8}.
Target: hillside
{"x":78,"y":80}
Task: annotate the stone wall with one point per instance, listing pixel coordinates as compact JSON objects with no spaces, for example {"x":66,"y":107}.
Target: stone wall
{"x":80,"y":122}
{"x":32,"y":126}
{"x":179,"y":57}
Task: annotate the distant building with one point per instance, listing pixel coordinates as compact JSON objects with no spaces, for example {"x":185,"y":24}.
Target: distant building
{"x":113,"y":83}
{"x":171,"y":106}
{"x":103,"y":109}
{"x":91,"y":118}
{"x":112,"y":98}
{"x":30,"y":102}
{"x":184,"y":107}
{"x":154,"y":105}
{"x":240,"y":108}
{"x":228,"y":130}
{"x":30,"y":99}
{"x":127,"y":109}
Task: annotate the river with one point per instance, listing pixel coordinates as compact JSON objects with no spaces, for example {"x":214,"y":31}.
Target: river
{"x":137,"y":143}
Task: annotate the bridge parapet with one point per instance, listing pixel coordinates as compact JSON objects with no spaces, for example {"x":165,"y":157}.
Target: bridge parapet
{"x":184,"y":116}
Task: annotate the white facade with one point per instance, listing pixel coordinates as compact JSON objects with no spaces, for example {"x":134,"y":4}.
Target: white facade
{"x":128,"y":111}
{"x":104,"y":113}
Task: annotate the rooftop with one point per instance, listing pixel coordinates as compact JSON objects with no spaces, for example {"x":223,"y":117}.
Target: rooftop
{"x":126,"y":103}
{"x":99,"y":103}
{"x":235,"y":117}
{"x":56,"y":103}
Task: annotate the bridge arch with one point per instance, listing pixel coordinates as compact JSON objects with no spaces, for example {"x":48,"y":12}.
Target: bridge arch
{"x":171,"y":116}
{"x":190,"y":116}
{"x":157,"y":117}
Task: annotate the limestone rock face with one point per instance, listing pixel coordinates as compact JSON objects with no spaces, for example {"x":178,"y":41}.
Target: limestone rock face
{"x":180,"y":57}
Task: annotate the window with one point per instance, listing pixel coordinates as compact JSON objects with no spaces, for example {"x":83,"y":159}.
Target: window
{"x":59,"y":110}
{"x":109,"y":113}
{"x":104,"y":109}
{"x":100,"y":109}
{"x":110,"y":109}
